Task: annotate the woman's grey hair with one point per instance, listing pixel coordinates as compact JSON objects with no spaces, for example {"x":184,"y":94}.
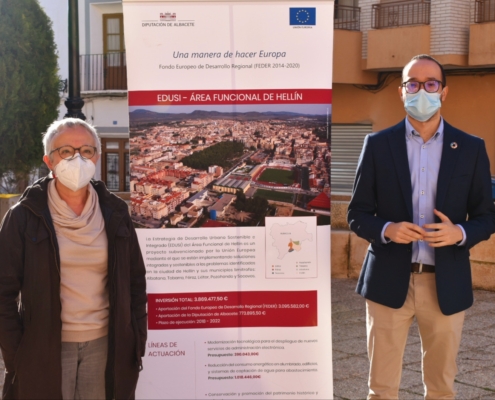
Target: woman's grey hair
{"x":58,"y":127}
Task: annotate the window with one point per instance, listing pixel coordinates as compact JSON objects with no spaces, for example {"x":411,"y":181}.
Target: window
{"x":390,"y":14}
{"x":347,"y":15}
{"x":484,"y":11}
{"x":115,"y":69}
{"x":115,"y":164}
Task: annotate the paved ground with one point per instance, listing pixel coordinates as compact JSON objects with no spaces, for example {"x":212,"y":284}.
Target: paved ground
{"x":476,"y":360}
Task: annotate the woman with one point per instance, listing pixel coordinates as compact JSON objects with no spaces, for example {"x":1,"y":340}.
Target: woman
{"x":78,"y":328}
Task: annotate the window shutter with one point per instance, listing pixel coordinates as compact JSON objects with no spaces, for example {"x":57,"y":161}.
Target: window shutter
{"x":347,"y":142}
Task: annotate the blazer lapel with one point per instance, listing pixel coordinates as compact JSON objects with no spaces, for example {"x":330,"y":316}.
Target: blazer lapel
{"x":397,"y":141}
{"x":450,"y":154}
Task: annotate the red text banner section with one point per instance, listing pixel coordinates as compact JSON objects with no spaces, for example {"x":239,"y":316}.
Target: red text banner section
{"x":229,"y":97}
{"x":232,"y":309}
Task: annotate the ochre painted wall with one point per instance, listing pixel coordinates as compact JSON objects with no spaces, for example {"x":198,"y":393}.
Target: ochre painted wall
{"x":481,"y":44}
{"x":347,"y":61}
{"x":393,"y":48}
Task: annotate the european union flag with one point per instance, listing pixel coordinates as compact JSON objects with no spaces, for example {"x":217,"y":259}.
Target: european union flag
{"x":303,"y":16}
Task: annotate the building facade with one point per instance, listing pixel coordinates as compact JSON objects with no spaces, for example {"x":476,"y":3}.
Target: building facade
{"x":103,"y":79}
{"x":373,"y":40}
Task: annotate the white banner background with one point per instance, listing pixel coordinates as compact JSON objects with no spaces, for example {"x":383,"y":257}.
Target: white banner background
{"x":265,"y":362}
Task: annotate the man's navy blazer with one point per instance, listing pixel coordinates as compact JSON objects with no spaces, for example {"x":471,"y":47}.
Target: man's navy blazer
{"x":382,"y":193}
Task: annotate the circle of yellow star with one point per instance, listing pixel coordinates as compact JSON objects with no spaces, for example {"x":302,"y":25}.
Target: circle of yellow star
{"x":306,"y":17}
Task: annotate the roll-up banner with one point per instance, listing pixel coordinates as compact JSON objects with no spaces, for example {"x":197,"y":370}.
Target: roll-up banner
{"x":229,"y":112}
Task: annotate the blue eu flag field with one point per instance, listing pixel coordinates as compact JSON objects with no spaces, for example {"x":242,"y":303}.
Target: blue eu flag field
{"x":303,"y":16}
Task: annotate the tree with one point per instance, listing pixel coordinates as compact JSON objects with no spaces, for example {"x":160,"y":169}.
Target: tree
{"x":219,"y":154}
{"x":29,"y":82}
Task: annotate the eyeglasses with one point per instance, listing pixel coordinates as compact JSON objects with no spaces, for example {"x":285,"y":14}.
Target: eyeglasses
{"x":68,"y":152}
{"x":429,"y":86}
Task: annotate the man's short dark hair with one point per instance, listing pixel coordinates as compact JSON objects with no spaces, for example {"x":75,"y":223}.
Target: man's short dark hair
{"x":428,"y":57}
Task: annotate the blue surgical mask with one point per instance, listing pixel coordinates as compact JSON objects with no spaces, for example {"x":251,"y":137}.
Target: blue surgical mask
{"x":422,"y":105}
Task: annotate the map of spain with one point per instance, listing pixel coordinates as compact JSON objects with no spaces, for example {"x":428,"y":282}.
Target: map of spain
{"x":288,"y":238}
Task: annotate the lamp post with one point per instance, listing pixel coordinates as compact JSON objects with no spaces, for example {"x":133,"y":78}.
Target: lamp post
{"x":74,"y":102}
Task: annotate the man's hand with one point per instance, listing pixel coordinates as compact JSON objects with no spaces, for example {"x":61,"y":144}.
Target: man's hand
{"x":445,"y":233}
{"x":404,"y":232}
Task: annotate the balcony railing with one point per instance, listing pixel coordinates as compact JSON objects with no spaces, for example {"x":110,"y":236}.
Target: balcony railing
{"x":103,"y":71}
{"x":484,"y":11}
{"x":400,"y":13}
{"x":347,"y":17}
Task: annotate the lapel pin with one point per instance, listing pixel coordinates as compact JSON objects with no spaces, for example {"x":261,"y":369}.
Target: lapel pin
{"x":453,"y":145}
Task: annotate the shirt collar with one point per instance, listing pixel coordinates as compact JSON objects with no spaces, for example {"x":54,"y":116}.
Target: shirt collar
{"x":410,"y":130}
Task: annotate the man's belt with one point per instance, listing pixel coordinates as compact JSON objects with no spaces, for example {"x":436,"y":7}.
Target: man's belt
{"x":419,"y":268}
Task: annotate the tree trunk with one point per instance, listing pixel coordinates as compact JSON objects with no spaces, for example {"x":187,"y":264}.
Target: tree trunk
{"x":22,"y":181}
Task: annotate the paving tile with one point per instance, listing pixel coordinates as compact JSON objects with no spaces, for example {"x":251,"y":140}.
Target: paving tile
{"x":489,"y":349}
{"x":356,"y":346}
{"x":347,"y":331}
{"x":471,"y":392}
{"x":410,"y":394}
{"x":488,"y":331}
{"x":352,"y":388}
{"x":463,"y":392}
{"x":353,"y":303}
{"x":412,"y":354}
{"x":484,"y":295}
{"x":343,"y":289}
{"x":413,"y":330}
{"x":476,"y":359}
{"x":350,"y":367}
{"x":344,"y":307}
{"x":337,"y":355}
{"x":472,"y":340}
{"x":415,"y":392}
{"x":483,"y":378}
{"x":481,"y":322}
{"x":413,"y":366}
{"x":410,"y":379}
{"x":413,"y":339}
{"x":481,"y":306}
{"x":349,"y":316}
{"x":335,"y":397}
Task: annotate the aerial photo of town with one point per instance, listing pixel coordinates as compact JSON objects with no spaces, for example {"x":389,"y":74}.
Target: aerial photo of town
{"x":204,"y":168}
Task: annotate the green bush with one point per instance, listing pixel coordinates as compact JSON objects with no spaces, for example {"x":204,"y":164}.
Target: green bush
{"x":29,"y":82}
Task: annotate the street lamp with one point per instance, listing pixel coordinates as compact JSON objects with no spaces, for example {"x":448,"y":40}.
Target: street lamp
{"x":74,"y":102}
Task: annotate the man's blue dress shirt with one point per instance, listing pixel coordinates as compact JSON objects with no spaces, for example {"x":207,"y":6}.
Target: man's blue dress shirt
{"x":424,"y":165}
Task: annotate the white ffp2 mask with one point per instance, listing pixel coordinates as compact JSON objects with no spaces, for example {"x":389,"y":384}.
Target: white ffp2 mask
{"x":75,"y":173}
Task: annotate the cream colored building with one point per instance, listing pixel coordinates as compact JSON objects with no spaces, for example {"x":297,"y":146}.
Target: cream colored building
{"x":103,"y":74}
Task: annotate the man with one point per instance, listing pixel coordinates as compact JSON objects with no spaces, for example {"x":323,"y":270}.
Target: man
{"x":73,"y":320}
{"x":422,"y":198}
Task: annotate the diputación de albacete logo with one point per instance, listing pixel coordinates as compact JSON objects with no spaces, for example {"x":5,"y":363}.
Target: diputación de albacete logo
{"x":167,"y":16}
{"x":167,"y":20}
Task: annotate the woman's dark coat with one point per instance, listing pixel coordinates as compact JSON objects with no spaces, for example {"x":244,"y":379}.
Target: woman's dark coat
{"x":30,"y":326}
